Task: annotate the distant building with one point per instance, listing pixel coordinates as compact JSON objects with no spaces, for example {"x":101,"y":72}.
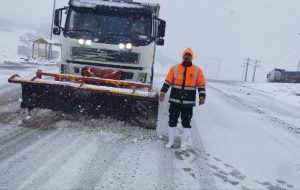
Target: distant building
{"x":281,"y":75}
{"x":45,"y":49}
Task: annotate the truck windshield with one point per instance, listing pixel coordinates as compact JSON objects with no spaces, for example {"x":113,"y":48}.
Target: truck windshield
{"x":109,"y":29}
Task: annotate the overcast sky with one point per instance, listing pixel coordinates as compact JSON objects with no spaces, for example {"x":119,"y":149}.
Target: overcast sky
{"x":220,"y":31}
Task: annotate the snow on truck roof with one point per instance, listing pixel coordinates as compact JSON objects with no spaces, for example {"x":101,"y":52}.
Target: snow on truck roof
{"x":112,"y":3}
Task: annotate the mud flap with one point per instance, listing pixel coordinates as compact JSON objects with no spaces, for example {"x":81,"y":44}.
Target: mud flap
{"x":136,"y":110}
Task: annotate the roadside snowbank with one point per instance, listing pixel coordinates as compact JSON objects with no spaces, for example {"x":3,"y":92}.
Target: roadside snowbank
{"x":251,"y":132}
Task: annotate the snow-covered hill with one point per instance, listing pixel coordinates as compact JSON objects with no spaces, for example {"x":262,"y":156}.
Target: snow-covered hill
{"x":9,"y":44}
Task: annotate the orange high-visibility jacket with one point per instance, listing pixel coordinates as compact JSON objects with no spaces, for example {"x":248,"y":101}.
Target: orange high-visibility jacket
{"x":185,"y":80}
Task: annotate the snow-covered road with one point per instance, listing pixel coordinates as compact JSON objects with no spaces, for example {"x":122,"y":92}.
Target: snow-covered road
{"x":245,"y":137}
{"x":69,"y":159}
{"x":49,"y":150}
{"x":252,"y":136}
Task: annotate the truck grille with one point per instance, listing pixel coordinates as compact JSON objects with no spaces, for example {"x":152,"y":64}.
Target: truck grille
{"x":104,"y":55}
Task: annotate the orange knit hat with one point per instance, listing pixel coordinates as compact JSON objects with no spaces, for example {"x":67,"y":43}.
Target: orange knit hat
{"x":188,"y":51}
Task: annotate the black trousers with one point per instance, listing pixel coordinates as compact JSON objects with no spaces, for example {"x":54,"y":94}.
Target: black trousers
{"x":185,"y":111}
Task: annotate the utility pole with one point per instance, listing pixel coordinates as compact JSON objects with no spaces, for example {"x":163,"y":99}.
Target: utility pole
{"x":255,"y":66}
{"x":53,"y":14}
{"x":247,"y":66}
{"x":243,"y":72}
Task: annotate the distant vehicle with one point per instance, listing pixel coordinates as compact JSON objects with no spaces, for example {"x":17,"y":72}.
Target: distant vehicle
{"x":281,"y":75}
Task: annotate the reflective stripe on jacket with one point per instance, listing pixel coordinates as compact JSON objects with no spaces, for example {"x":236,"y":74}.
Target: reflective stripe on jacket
{"x":184,"y":82}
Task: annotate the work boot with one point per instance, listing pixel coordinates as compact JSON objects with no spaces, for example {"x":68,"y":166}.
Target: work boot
{"x":172,"y":131}
{"x":184,"y":138}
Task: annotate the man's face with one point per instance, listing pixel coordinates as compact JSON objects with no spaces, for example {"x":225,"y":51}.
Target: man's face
{"x":187,"y":57}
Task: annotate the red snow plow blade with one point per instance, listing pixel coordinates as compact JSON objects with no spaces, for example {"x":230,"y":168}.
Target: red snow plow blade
{"x":131,"y":102}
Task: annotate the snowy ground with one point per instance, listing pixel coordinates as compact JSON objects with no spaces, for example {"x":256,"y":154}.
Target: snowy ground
{"x":246,"y":136}
{"x":251,"y":132}
{"x":40,"y":149}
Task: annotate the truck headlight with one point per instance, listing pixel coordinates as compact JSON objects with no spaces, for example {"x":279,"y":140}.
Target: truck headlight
{"x":122,"y":46}
{"x":88,"y":42}
{"x":81,"y":41}
{"x":128,"y":46}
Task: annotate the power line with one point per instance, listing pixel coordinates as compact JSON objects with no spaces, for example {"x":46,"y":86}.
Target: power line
{"x":284,"y":54}
{"x":206,"y":57}
{"x":222,"y":58}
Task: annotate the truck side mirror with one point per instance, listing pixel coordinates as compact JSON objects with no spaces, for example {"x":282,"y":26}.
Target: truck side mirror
{"x":56,"y":30}
{"x":57,"y":18}
{"x":160,"y":42}
{"x":161,"y":28}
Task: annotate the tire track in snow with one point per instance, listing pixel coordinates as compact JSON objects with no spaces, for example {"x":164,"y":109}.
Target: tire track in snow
{"x":20,"y":142}
{"x":10,"y":132}
{"x":122,"y":172}
{"x":101,"y":162}
{"x":42,"y":176}
{"x":140,"y":167}
{"x":167,"y":157}
{"x":206,"y":178}
{"x":16,"y":169}
{"x":234,"y":100}
{"x":215,"y":167}
{"x":10,"y":96}
{"x":68,"y":174}
{"x":26,"y":152}
{"x":255,"y":109}
{"x":12,"y":141}
{"x":167,"y":180}
{"x":9,"y":100}
{"x":26,"y":133}
{"x":6,"y":129}
{"x":280,"y":135}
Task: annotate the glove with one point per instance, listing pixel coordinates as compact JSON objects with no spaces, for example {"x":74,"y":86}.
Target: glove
{"x":161,"y":96}
{"x":201,"y":100}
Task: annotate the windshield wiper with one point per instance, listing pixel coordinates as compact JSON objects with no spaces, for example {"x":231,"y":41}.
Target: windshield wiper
{"x":79,"y":30}
{"x":122,"y":35}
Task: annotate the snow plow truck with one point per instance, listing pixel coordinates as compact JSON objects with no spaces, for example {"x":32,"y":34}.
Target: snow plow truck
{"x":107,"y":62}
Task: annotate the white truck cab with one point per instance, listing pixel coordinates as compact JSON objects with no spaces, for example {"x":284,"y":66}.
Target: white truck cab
{"x":110,"y":35}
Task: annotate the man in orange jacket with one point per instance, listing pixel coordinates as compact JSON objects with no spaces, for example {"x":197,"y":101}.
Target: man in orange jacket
{"x":184,"y":78}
